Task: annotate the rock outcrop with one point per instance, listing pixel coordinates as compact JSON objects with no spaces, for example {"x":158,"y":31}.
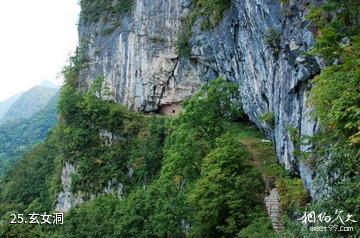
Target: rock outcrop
{"x":66,"y":199}
{"x":141,"y":67}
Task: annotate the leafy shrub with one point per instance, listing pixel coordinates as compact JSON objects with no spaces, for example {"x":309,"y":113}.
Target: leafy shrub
{"x":260,"y":227}
{"x":195,"y":131}
{"x":86,"y":117}
{"x":182,"y":44}
{"x":147,"y":154}
{"x":157,"y":39}
{"x":93,"y":10}
{"x":272,"y":39}
{"x":292,"y":193}
{"x":335,"y":97}
{"x":96,"y":218}
{"x":228,"y":192}
{"x":268,"y":118}
{"x":284,"y":1}
{"x":210,"y":11}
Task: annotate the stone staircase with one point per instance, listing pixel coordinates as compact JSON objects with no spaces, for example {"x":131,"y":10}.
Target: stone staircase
{"x":272,"y":203}
{"x":273,"y":208}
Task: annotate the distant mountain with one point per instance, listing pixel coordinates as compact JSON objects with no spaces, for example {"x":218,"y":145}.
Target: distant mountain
{"x":6,"y":104}
{"x":48,"y":84}
{"x":29,"y":103}
{"x":20,"y":135}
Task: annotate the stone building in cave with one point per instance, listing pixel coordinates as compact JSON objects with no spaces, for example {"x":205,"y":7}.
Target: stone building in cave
{"x":170,"y":109}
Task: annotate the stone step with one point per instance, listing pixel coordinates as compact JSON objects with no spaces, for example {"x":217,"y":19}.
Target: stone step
{"x":275,"y":213}
{"x":272,"y":201}
{"x":273,"y":208}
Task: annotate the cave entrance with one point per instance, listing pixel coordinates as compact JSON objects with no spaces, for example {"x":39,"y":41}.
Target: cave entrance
{"x":170,"y":109}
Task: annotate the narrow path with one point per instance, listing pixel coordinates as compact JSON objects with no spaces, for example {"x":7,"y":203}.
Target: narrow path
{"x":273,"y":208}
{"x":272,"y":201}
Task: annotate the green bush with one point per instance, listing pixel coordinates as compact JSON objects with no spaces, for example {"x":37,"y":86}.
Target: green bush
{"x":260,"y":227}
{"x":94,"y":219}
{"x":182,"y":44}
{"x":335,"y":96}
{"x":269,"y":119}
{"x":210,"y":12}
{"x":228,"y":193}
{"x":272,"y":39}
{"x":85,"y":118}
{"x":293,"y":195}
{"x":94,"y":10}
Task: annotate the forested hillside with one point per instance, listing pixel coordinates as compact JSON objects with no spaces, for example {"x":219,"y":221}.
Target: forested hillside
{"x":29,"y":103}
{"x":6,"y":104}
{"x":184,"y":174}
{"x":20,"y":135}
{"x":207,"y":170}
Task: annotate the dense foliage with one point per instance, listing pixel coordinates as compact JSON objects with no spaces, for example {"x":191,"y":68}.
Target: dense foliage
{"x":190,"y":176}
{"x":200,"y":189}
{"x":198,"y":174}
{"x":125,"y":138}
{"x":225,"y":199}
{"x":95,"y":10}
{"x":210,"y":10}
{"x":30,"y":186}
{"x":336,"y":98}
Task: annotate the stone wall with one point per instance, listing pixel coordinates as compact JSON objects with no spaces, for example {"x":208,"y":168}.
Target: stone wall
{"x":170,"y":109}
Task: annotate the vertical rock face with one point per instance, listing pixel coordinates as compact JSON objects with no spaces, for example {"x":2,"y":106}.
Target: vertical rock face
{"x":138,"y":58}
{"x":66,"y":199}
{"x":273,"y":79}
{"x":141,"y":67}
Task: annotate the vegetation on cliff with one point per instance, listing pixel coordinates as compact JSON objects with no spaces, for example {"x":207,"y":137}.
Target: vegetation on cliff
{"x":93,"y":11}
{"x":198,"y":155}
{"x":198,"y":174}
{"x":191,"y":175}
{"x":335,"y":97}
{"x":209,"y":12}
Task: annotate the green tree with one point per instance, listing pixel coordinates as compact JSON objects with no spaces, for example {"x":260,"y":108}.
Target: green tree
{"x":336,"y":98}
{"x":228,"y":194}
{"x":95,"y":219}
{"x":193,"y":134}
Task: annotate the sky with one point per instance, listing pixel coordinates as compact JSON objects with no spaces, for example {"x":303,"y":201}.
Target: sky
{"x":36,"y":39}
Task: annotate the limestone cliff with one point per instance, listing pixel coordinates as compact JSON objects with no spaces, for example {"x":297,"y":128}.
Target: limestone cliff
{"x":259,"y":44}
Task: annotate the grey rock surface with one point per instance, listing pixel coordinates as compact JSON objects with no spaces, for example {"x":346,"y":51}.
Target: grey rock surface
{"x":139,"y":62}
{"x":138,"y":58}
{"x":66,"y":199}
